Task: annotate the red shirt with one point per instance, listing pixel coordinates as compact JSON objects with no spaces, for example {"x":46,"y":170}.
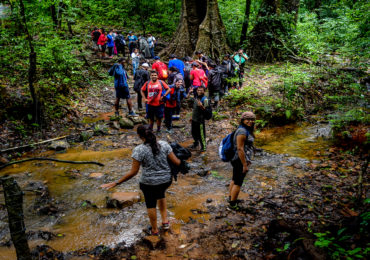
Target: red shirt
{"x":102,"y":39}
{"x":154,"y":91}
{"x":171,"y":103}
{"x":197,"y":74}
{"x":161,"y":68}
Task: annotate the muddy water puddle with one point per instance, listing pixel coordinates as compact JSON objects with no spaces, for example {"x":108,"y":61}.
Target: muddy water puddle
{"x":79,"y":226}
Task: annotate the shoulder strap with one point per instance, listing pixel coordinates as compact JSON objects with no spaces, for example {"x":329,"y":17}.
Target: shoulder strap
{"x":160,"y":81}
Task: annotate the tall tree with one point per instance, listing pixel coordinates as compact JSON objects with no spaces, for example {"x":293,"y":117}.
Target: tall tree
{"x":200,"y":28}
{"x":275,"y":21}
{"x":243,"y":35}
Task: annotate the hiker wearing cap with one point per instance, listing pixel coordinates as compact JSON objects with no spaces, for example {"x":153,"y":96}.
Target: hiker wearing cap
{"x":141,"y":76}
{"x":179,"y":64}
{"x":243,"y":141}
{"x":196,"y":75}
{"x":132,"y":41}
{"x":161,"y":68}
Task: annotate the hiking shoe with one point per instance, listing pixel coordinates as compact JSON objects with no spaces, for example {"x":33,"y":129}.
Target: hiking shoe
{"x":116,"y":113}
{"x":150,"y":232}
{"x":235,"y":207}
{"x":166,"y":226}
{"x":132,"y":113}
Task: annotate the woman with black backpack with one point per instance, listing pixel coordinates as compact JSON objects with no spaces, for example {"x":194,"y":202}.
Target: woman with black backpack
{"x":155,"y":175}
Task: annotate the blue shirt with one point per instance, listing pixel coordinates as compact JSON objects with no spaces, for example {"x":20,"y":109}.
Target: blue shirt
{"x":177,"y":64}
{"x":120,"y":76}
{"x":132,"y":38}
{"x":110,"y":42}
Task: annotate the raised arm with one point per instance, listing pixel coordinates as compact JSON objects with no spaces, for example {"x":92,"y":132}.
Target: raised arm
{"x":134,"y":170}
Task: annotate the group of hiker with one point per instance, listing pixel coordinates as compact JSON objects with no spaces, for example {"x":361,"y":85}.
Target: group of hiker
{"x":116,"y":43}
{"x":161,"y":90}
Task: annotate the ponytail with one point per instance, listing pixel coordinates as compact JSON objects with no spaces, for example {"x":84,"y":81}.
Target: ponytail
{"x":145,"y":132}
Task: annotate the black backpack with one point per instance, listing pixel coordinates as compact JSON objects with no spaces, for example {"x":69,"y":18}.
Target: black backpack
{"x":183,"y":154}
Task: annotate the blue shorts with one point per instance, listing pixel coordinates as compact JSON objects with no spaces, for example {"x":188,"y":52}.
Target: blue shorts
{"x":155,"y":112}
{"x":122,"y":92}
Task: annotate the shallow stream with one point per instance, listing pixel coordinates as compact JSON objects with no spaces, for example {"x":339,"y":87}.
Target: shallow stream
{"x":74,"y":189}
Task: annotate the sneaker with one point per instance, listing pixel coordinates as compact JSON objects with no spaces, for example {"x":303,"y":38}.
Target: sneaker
{"x":166,"y":226}
{"x":233,"y":207}
{"x":132,"y":113}
{"x":116,"y":113}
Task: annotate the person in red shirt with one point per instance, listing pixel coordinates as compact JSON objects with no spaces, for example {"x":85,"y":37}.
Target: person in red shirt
{"x":196,"y":76}
{"x":102,"y":42}
{"x":171,"y":104}
{"x":151,"y":92}
{"x":161,"y":68}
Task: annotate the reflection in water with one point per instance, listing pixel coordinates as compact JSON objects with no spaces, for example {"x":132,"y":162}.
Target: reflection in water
{"x":81,"y":227}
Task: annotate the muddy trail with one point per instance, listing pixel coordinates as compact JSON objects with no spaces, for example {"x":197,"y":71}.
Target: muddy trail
{"x":298,"y":185}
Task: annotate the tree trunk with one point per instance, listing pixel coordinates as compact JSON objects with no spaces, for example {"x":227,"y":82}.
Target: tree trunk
{"x":200,"y":28}
{"x":266,"y":40}
{"x":53,"y":12}
{"x":243,"y":35}
{"x":32,"y":68}
{"x":14,"y":206}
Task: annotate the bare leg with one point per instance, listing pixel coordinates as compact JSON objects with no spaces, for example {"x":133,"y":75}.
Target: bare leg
{"x":151,"y":124}
{"x":234,"y":192}
{"x":129,"y":104}
{"x":116,"y":104}
{"x":152,"y":213}
{"x":163,"y":209}
{"x":231,"y":187}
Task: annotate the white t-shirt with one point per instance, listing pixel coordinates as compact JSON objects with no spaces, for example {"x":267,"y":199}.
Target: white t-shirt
{"x":151,"y":40}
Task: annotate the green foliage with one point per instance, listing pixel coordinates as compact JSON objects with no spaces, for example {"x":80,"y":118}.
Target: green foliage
{"x":334,"y":27}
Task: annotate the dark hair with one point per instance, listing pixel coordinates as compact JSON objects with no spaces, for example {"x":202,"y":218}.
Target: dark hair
{"x":120,"y":60}
{"x":172,"y":56}
{"x":145,"y":132}
{"x":198,"y":52}
{"x":154,"y":72}
{"x":174,"y":69}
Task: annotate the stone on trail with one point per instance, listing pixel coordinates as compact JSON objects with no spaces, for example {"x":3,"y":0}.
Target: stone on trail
{"x":3,"y":160}
{"x":154,"y":242}
{"x":122,"y":199}
{"x":126,"y":123}
{"x":115,"y":125}
{"x":96,"y":175}
{"x":138,"y":120}
{"x":59,"y":145}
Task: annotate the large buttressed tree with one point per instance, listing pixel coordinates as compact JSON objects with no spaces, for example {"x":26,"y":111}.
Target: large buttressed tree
{"x":275,"y":21}
{"x":200,"y":28}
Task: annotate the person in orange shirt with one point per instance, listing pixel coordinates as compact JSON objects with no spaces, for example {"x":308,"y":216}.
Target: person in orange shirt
{"x":161,"y":68}
{"x":153,"y":93}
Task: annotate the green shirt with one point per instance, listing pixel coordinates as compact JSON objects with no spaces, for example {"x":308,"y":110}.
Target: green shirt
{"x":239,"y":58}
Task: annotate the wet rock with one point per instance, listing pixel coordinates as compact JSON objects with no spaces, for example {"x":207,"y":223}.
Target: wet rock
{"x":126,"y":123}
{"x":154,"y":242}
{"x":59,"y":145}
{"x":86,"y":135}
{"x":115,"y":125}
{"x":88,"y":204}
{"x":122,"y":199}
{"x":202,"y":172}
{"x":46,"y":252}
{"x":45,"y":235}
{"x":138,"y":120}
{"x":96,"y":175}
{"x":178,"y":125}
{"x":209,"y":200}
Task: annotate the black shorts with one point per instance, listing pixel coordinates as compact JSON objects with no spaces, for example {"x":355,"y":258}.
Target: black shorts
{"x":155,"y":112}
{"x":122,"y":92}
{"x":238,"y":175}
{"x":152,"y":193}
{"x":102,"y":47}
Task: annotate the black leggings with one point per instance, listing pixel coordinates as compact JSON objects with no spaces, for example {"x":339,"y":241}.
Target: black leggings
{"x":110,"y":51}
{"x":152,"y":193}
{"x":238,"y":175}
{"x":168,"y":112}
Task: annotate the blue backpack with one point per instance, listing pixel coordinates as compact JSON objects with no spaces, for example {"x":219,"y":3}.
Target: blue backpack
{"x":227,"y":149}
